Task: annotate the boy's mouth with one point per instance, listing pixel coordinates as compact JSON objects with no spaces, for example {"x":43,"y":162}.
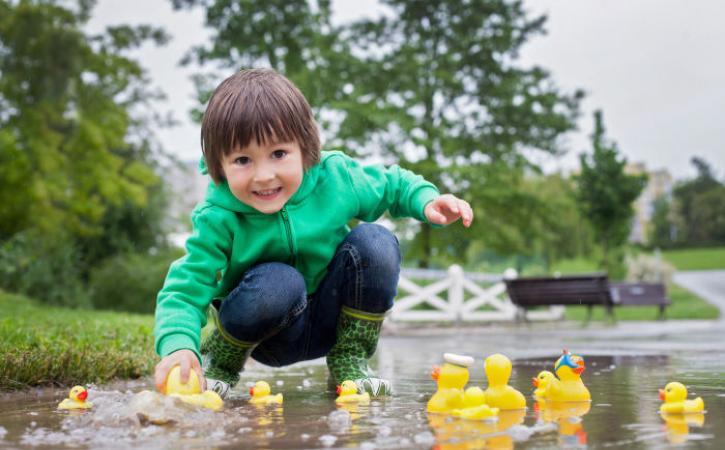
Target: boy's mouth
{"x":267,"y":194}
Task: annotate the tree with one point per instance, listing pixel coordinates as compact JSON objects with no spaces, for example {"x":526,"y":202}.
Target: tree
{"x":438,"y":92}
{"x":77,"y":157}
{"x":294,"y":37}
{"x":606,"y":193}
{"x":697,"y":205}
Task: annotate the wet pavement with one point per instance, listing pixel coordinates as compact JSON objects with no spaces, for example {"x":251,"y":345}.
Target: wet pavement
{"x":708,"y":284}
{"x":626,"y":365}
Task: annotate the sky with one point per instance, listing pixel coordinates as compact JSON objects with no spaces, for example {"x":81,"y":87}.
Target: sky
{"x":654,"y":67}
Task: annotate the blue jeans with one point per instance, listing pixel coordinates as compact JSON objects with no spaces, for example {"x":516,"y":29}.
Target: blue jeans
{"x":271,"y":306}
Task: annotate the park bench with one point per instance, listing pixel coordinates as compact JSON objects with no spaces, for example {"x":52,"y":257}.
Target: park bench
{"x":645,"y":294}
{"x":590,"y":290}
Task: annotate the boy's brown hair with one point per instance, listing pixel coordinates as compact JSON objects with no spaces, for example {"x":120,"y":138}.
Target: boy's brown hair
{"x":257,"y":104}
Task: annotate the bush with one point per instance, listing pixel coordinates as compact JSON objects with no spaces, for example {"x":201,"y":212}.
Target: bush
{"x":130,"y":282}
{"x":43,"y":267}
{"x":649,"y":268}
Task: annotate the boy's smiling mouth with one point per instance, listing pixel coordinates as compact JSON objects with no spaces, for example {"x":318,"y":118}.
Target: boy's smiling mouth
{"x":267,"y":194}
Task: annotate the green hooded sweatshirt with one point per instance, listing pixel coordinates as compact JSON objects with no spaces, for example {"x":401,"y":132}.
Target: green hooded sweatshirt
{"x":229,"y":237}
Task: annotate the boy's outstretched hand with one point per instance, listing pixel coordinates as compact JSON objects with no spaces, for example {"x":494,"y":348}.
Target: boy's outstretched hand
{"x":187,"y":360}
{"x":448,"y":208}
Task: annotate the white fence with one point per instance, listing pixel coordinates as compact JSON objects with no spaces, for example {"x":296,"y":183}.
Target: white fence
{"x":470,"y":297}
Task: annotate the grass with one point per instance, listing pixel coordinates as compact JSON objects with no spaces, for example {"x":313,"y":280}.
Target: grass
{"x":685,"y":305}
{"x":696,"y":258}
{"x":45,"y":345}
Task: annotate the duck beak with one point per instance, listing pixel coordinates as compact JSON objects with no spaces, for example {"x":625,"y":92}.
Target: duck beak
{"x":251,"y":391}
{"x":338,"y":390}
{"x":535,"y":381}
{"x":579,"y":369}
{"x":435,"y":372}
{"x":662,"y":395}
{"x":83,"y":395}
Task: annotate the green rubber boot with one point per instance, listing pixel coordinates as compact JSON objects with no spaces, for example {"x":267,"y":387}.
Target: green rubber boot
{"x":223,"y":357}
{"x":357,"y":338}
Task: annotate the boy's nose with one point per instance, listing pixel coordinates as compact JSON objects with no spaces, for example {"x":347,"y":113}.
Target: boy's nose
{"x":263,"y":174}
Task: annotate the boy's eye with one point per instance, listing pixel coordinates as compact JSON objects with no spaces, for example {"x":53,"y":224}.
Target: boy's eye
{"x":277,"y":154}
{"x":242,"y":160}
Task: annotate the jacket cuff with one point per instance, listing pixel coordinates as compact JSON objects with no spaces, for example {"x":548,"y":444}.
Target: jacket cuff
{"x":421,"y":198}
{"x":174,"y":342}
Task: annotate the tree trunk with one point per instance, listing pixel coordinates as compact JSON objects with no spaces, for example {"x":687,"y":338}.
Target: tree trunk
{"x":425,"y":237}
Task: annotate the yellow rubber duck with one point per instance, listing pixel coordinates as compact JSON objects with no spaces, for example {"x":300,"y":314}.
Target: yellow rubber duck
{"x":499,"y":394}
{"x":675,"y":400}
{"x":474,"y":406}
{"x":347,"y":393}
{"x":568,"y":387}
{"x":541,"y":383}
{"x":191,"y":391}
{"x":262,"y":394}
{"x":76,"y":399}
{"x":451,"y":378}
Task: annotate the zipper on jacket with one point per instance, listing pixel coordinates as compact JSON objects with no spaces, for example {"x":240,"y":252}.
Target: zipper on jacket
{"x":290,"y":239}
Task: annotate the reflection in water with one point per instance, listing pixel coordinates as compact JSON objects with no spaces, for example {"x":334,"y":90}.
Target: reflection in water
{"x":568,"y":418}
{"x":454,"y":433}
{"x":678,"y":425}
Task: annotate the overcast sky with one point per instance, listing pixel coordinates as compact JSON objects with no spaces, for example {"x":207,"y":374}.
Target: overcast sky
{"x":655,"y":68}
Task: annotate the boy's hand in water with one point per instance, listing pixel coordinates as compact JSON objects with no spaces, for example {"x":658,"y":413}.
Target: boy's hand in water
{"x":187,"y":360}
{"x":448,"y":208}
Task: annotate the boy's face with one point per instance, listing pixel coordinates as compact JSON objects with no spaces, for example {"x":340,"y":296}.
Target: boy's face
{"x":264,"y":176}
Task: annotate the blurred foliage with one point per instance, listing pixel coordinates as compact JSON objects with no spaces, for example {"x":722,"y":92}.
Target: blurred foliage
{"x":42,"y":268}
{"x":695,"y":216}
{"x":433,"y":88}
{"x":605,"y":195}
{"x":142,"y":276}
{"x":78,"y":164}
{"x":48,"y":345}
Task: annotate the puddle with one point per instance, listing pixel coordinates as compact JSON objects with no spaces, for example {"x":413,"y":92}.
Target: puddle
{"x":623,"y":382}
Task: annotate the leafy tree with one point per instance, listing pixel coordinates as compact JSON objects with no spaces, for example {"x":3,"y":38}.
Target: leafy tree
{"x":697,"y":206}
{"x":75,"y":151}
{"x":439,"y":92}
{"x":605,"y":195}
{"x":294,"y":37}
{"x":663,"y":231}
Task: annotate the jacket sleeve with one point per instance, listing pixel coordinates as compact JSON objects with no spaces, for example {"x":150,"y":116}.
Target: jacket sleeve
{"x":379,"y":188}
{"x":191,"y":283}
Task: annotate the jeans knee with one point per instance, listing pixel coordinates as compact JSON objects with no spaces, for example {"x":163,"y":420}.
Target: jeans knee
{"x":268,"y":296}
{"x":379,"y":259}
{"x":378,"y":248}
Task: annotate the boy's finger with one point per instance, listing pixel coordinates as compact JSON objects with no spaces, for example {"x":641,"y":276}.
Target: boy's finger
{"x":451,"y":203}
{"x":159,"y":381}
{"x":185,"y":366}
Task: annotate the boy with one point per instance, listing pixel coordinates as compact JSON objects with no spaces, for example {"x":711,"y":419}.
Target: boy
{"x":271,"y":251}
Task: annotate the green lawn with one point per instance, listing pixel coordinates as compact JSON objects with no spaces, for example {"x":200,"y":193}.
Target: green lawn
{"x":685,"y":305}
{"x":697,"y":258}
{"x":46,"y":345}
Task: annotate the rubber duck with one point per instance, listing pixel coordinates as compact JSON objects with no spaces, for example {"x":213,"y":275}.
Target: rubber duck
{"x":76,"y":399}
{"x":568,"y":387}
{"x":541,"y":383}
{"x":451,"y":378}
{"x":499,"y":394}
{"x":675,"y":400}
{"x":473,"y":396}
{"x":190,"y":392}
{"x":347,"y":393}
{"x":262,"y":394}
